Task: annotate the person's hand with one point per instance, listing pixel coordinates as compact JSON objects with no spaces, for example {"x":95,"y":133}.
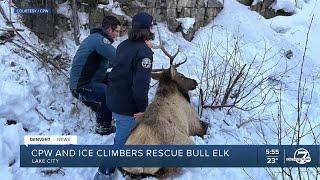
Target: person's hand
{"x":138,"y":116}
{"x":149,"y":44}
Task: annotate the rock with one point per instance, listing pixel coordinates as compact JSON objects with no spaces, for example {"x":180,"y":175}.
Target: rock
{"x":173,"y":24}
{"x":60,"y":1}
{"x":289,"y":54}
{"x":92,"y":3}
{"x":46,"y":26}
{"x":200,"y":4}
{"x":186,"y":4}
{"x":171,"y":13}
{"x":49,"y":25}
{"x":172,"y":4}
{"x":161,"y":4}
{"x":199,"y":15}
{"x":264,"y":8}
{"x":210,"y":14}
{"x":160,"y":15}
{"x":167,"y":10}
{"x":189,"y":35}
{"x":133,"y":7}
{"x":96,"y":17}
{"x":103,"y":1}
{"x":170,"y":10}
{"x":214,"y":4}
{"x":246,"y":2}
{"x":150,"y":3}
{"x":63,"y":24}
{"x":137,"y":4}
{"x":186,"y":12}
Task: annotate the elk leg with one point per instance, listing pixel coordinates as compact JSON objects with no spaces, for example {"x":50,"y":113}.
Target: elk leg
{"x":204,"y":128}
{"x":165,"y":173}
{"x":200,"y":128}
{"x":130,"y":176}
{"x":180,"y":138}
{"x":141,"y":171}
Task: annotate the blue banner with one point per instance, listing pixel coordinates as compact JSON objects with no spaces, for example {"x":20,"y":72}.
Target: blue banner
{"x":170,"y":156}
{"x":32,"y":10}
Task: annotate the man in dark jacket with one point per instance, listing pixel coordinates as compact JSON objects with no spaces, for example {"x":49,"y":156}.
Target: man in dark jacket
{"x":128,"y":82}
{"x":89,"y":71}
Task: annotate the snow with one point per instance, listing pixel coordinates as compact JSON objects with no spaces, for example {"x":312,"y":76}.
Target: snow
{"x":114,"y":7}
{"x":295,"y":27}
{"x":10,"y":140}
{"x":286,"y":5}
{"x":186,"y":23}
{"x":65,"y":9}
{"x":40,"y":102}
{"x":83,"y":18}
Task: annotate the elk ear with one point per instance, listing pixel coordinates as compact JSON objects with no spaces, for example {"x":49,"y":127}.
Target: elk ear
{"x":156,"y":75}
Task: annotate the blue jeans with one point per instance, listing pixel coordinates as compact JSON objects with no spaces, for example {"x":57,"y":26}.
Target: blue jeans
{"x":93,"y":95}
{"x":125,"y":125}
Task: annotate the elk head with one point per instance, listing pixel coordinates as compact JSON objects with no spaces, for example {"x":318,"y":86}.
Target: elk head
{"x":171,"y":74}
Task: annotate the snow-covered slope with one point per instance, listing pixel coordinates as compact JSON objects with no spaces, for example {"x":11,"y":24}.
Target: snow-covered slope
{"x":41,"y":103}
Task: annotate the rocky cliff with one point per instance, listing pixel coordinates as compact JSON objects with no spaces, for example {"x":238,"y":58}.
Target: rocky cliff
{"x":48,"y":26}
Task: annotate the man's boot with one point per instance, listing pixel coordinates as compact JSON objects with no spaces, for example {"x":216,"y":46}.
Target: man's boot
{"x":101,"y":176}
{"x":104,"y":129}
{"x":109,"y":172}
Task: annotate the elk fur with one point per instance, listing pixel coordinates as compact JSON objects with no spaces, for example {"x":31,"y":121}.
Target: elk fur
{"x":169,"y":119}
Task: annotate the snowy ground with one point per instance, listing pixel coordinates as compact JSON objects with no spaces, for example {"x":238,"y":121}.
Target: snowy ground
{"x":41,"y":103}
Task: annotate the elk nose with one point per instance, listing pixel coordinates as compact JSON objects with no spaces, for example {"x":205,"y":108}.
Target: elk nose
{"x":195,"y":84}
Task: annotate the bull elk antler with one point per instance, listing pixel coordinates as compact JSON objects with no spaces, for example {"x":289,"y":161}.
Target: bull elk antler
{"x":171,"y":57}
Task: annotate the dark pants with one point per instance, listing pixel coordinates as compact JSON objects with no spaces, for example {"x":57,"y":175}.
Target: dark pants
{"x":93,"y":95}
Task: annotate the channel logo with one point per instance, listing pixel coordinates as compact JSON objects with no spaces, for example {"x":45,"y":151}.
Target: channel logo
{"x":300,"y":156}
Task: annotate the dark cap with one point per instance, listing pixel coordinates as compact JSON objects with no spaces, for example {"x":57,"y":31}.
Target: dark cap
{"x":142,"y":20}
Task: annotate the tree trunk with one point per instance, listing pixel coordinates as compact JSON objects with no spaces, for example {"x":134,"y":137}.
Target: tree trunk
{"x":75,"y":22}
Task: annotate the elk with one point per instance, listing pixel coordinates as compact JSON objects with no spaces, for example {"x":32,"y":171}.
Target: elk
{"x":169,"y":119}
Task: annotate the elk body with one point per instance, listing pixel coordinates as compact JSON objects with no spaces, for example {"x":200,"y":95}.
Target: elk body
{"x":169,"y":119}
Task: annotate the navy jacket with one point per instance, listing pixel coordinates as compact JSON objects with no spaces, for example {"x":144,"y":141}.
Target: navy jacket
{"x":94,"y":56}
{"x":128,"y":82}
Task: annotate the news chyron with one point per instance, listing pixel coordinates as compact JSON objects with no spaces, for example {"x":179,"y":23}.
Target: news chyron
{"x":64,"y":151}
